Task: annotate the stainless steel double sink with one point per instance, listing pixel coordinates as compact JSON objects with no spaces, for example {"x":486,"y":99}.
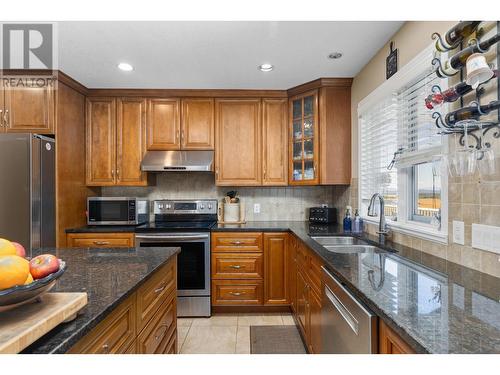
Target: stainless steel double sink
{"x":344,"y":245}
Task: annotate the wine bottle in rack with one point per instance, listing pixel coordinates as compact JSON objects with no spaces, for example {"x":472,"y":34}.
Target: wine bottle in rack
{"x":458,"y":60}
{"x":456,"y":34}
{"x":452,"y":94}
{"x":471,"y":113}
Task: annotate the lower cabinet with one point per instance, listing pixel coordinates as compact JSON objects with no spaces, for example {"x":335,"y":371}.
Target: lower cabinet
{"x":314,"y":323}
{"x":100,"y":240}
{"x":145,"y":323}
{"x":276,"y":269}
{"x":389,"y":342}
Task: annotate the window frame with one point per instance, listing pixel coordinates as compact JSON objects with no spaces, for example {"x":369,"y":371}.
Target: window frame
{"x":404,"y":222}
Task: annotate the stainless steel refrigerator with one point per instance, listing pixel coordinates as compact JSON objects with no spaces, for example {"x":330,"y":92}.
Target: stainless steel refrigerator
{"x":27,"y":190}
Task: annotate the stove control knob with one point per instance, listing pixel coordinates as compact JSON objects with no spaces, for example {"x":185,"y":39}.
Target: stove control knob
{"x":160,"y":206}
{"x":209,"y":206}
{"x":167,"y":206}
{"x":202,"y":206}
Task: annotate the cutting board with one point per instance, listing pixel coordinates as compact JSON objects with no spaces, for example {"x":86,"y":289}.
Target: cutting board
{"x":25,"y":324}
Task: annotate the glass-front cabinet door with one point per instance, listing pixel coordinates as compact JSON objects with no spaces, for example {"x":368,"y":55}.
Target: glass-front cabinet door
{"x":304,"y":139}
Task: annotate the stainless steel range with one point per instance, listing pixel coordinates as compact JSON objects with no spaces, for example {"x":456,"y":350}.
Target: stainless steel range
{"x":185,"y":224}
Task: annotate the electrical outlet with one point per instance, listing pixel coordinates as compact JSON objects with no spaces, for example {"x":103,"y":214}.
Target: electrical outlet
{"x":256,"y":208}
{"x":458,"y":232}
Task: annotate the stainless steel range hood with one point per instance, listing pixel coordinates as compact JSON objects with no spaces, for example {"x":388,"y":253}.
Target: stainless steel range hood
{"x":178,"y":161}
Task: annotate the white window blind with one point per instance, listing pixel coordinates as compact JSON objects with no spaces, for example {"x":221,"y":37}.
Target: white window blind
{"x":417,"y":133}
{"x":378,"y":141}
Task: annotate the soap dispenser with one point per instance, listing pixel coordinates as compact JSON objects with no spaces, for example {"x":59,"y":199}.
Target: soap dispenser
{"x":347,"y":220}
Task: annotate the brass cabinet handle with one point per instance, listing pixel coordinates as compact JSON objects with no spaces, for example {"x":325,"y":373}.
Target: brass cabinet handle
{"x":6,"y":118}
{"x":117,"y":173}
{"x":236,"y":293}
{"x":158,"y":335}
{"x":105,"y":348}
{"x":1,"y":122}
{"x":236,"y":267}
{"x":264,"y":172}
{"x":101,"y":242}
{"x":160,"y":289}
{"x":177,"y":134}
{"x":237,"y":243}
{"x":182,"y":134}
{"x":113,"y":173}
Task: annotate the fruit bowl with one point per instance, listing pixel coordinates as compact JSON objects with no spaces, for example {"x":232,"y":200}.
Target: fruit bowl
{"x":21,"y":294}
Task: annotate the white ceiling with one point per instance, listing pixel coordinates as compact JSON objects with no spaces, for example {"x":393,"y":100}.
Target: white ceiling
{"x":225,"y":55}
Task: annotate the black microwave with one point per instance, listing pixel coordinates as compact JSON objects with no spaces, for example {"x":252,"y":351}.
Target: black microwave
{"x":117,"y":211}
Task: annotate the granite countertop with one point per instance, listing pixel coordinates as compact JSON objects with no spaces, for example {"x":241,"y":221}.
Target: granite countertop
{"x":108,"y":276}
{"x":435,"y":305}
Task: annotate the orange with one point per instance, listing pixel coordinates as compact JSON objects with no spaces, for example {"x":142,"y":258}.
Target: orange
{"x":6,"y":247}
{"x":29,"y":280}
{"x":14,"y":270}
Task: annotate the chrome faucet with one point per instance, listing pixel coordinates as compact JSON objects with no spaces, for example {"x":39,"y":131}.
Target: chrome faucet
{"x":382,"y":226}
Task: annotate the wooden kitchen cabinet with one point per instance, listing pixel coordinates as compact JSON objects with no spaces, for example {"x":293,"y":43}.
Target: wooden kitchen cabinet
{"x":130,"y":141}
{"x":27,"y":110}
{"x":144,"y":323}
{"x":276,"y":269}
{"x":116,"y":141}
{"x":238,"y":142}
{"x":292,"y":272}
{"x":197,"y":124}
{"x":302,"y":308}
{"x":304,"y":139}
{"x":101,"y":141}
{"x":100,"y":240}
{"x":274,"y":142}
{"x":389,"y":342}
{"x":314,"y":323}
{"x":163,"y":124}
{"x":237,"y":292}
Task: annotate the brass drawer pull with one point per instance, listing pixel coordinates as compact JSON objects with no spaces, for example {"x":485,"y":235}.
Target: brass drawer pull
{"x":237,"y":243}
{"x":159,"y":336}
{"x":101,"y":242}
{"x":236,"y":267}
{"x":160,"y":289}
{"x":105,"y":348}
{"x":236,"y":293}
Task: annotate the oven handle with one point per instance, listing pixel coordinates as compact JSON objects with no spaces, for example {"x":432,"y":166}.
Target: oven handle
{"x":173,"y":238}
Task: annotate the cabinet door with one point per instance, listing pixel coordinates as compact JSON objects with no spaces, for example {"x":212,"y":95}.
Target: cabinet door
{"x":275,"y":268}
{"x":197,"y":124}
{"x":389,"y":342}
{"x":275,"y":142}
{"x":301,"y":301}
{"x":238,"y":142}
{"x":130,"y":141}
{"x":315,"y":323}
{"x":101,"y":141}
{"x":304,"y":145}
{"x":29,"y":110}
{"x":163,"y":124}
{"x":292,"y":272}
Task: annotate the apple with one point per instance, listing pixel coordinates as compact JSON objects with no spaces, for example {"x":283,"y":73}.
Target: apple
{"x":19,"y":249}
{"x":43,"y":265}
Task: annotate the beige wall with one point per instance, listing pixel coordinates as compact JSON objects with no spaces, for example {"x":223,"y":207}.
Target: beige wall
{"x":474,"y":199}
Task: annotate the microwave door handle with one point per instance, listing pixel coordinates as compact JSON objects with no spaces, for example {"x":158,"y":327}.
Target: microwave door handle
{"x":173,"y":238}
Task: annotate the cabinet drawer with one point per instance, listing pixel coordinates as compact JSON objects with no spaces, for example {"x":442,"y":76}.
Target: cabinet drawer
{"x":236,"y":266}
{"x":171,"y":347}
{"x":100,"y":240}
{"x":154,"y":292}
{"x":237,"y":242}
{"x":237,"y":292}
{"x":157,"y":334}
{"x":115,"y":334}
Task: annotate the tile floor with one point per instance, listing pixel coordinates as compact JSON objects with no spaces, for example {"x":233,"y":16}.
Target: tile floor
{"x":223,"y":333}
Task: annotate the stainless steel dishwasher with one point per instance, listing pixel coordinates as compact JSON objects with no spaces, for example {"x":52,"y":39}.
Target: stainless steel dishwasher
{"x":347,"y":326}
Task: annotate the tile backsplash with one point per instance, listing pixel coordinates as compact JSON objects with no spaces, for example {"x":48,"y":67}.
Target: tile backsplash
{"x":276,"y":203}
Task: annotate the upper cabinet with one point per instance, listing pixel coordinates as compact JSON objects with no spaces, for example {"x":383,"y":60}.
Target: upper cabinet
{"x":163,"y":124}
{"x":173,"y":124}
{"x":274,"y":142}
{"x":197,"y":124}
{"x":304,"y":139}
{"x":238,"y":142}
{"x":27,"y":110}
{"x":116,"y":141}
{"x":320,"y":135}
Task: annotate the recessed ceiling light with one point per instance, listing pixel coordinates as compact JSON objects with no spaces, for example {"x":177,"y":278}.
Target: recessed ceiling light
{"x":126,"y":67}
{"x":335,"y":55}
{"x":266,"y":67}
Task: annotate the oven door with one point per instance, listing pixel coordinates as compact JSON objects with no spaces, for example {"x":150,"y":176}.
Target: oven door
{"x":193,"y":262}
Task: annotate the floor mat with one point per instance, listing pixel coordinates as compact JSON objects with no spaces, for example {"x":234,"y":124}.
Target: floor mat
{"x":276,"y":340}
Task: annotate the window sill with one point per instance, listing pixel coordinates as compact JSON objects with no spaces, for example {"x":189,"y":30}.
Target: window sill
{"x":414,"y":230}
